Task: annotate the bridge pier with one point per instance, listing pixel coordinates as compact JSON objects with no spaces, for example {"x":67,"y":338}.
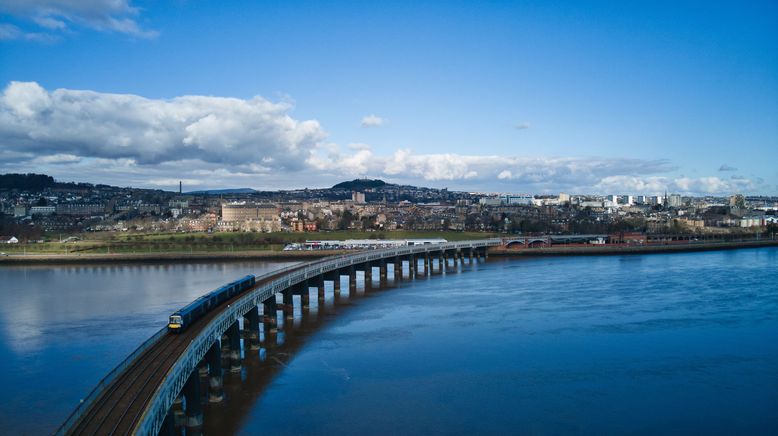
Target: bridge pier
{"x":233,"y":333}
{"x":368,"y":272}
{"x":179,"y":416}
{"x":318,"y":282}
{"x":270,"y":311}
{"x":302,"y":290}
{"x":426,"y":264}
{"x":288,"y":306}
{"x":251,"y":325}
{"x":215,"y":380}
{"x":352,"y":278}
{"x":194,"y":410}
{"x":169,"y":424}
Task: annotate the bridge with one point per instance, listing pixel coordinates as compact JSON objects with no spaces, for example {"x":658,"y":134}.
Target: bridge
{"x":136,"y":397}
{"x":529,"y":241}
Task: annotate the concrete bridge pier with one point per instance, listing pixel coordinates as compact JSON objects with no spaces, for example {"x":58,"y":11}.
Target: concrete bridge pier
{"x":303,"y":291}
{"x":352,"y":278}
{"x":215,"y":380}
{"x":233,"y":333}
{"x":339,"y":281}
{"x":179,"y":416}
{"x":251,"y":325}
{"x":194,"y":410}
{"x":427,"y":269}
{"x":224,"y":345}
{"x":270,"y":309}
{"x":202,"y":368}
{"x":382,"y":270}
{"x":318,"y":283}
{"x":412,"y":267}
{"x":168,"y":425}
{"x":368,"y":272}
{"x":288,"y":305}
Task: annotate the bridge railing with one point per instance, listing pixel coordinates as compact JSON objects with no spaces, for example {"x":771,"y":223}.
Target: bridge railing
{"x":106,"y":381}
{"x":168,"y":390}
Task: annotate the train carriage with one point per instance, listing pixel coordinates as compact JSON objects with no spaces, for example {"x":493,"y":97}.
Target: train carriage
{"x":193,"y":311}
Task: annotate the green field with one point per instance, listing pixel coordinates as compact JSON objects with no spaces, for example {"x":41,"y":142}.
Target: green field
{"x":105,"y":243}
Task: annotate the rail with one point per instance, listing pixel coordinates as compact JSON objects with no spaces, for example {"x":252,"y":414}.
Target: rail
{"x":166,"y":393}
{"x":84,"y":403}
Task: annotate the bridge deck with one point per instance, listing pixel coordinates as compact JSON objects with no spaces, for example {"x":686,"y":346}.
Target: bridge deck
{"x":156,"y":374}
{"x":122,"y":403}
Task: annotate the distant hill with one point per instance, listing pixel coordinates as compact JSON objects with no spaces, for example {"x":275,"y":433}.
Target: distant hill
{"x":28,"y":182}
{"x":223,"y":191}
{"x":360,"y":184}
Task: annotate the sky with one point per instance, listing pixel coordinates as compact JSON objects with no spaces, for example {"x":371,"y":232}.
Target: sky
{"x":523,"y":97}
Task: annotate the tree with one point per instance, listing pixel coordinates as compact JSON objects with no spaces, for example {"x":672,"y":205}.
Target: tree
{"x":345,"y":220}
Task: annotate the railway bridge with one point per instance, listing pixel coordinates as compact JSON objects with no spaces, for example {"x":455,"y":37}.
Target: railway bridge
{"x":136,"y":397}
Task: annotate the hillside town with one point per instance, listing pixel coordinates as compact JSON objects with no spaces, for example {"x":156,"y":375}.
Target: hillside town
{"x":35,"y":205}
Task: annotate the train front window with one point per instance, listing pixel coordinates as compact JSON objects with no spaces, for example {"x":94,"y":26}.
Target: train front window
{"x":175,"y":320}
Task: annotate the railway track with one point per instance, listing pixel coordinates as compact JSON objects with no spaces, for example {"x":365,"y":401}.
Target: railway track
{"x":120,"y":406}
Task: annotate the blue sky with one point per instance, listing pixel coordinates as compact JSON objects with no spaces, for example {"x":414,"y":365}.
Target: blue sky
{"x":500,"y":96}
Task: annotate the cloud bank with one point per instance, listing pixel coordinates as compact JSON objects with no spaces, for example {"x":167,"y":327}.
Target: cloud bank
{"x":50,"y":18}
{"x":230,"y":142}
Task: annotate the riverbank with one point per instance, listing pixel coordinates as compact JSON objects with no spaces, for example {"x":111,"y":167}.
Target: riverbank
{"x":36,"y":259}
{"x":613,"y":249}
{"x":210,"y":256}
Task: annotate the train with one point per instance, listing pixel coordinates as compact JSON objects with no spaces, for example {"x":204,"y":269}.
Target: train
{"x":184,"y":317}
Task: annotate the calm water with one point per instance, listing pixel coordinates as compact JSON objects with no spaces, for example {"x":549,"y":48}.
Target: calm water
{"x":63,"y":328}
{"x":655,"y":344}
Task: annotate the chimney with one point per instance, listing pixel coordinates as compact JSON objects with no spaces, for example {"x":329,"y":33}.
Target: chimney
{"x":180,"y":187}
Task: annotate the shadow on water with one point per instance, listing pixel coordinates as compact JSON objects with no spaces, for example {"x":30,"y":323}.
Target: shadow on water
{"x":279,"y":346}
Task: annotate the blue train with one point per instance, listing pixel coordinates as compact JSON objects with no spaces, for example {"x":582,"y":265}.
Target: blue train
{"x":190,"y":313}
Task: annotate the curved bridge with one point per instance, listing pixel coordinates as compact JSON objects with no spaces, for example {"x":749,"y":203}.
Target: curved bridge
{"x":136,"y":397}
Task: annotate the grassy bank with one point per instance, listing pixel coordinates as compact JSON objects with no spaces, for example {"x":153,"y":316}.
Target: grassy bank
{"x":213,"y":243}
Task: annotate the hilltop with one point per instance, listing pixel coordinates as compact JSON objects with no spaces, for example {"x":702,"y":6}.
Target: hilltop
{"x":361,"y":184}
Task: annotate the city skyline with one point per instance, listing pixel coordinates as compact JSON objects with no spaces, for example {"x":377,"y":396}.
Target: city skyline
{"x":577,"y":97}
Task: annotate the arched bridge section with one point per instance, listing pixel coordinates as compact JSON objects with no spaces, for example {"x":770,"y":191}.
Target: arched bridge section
{"x":136,"y":397}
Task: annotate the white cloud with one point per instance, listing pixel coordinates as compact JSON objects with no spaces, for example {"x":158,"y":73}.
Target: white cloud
{"x":60,"y":15}
{"x":522,"y":126}
{"x":372,"y":121}
{"x":211,"y":129}
{"x":726,"y":167}
{"x":216,"y":142}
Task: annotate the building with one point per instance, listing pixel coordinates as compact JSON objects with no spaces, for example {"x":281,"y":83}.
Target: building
{"x":564,"y":198}
{"x":490,"y":201}
{"x":247,"y":211}
{"x":43,"y":210}
{"x":525,"y":200}
{"x":358,"y":197}
{"x":674,"y":200}
{"x":20,"y":211}
{"x":8,"y":240}
{"x":82,"y":209}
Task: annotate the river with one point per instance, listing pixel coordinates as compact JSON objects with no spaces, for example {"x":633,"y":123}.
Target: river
{"x":62,"y":328}
{"x":641,"y":344}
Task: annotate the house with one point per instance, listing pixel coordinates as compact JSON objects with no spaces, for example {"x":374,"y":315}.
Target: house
{"x":8,"y":240}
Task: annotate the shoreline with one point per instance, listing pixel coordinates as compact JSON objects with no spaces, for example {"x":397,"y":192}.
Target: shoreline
{"x":567,"y":250}
{"x":596,"y":250}
{"x":229,"y":256}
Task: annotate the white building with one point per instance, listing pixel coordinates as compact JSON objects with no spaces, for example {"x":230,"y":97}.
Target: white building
{"x":519,"y":199}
